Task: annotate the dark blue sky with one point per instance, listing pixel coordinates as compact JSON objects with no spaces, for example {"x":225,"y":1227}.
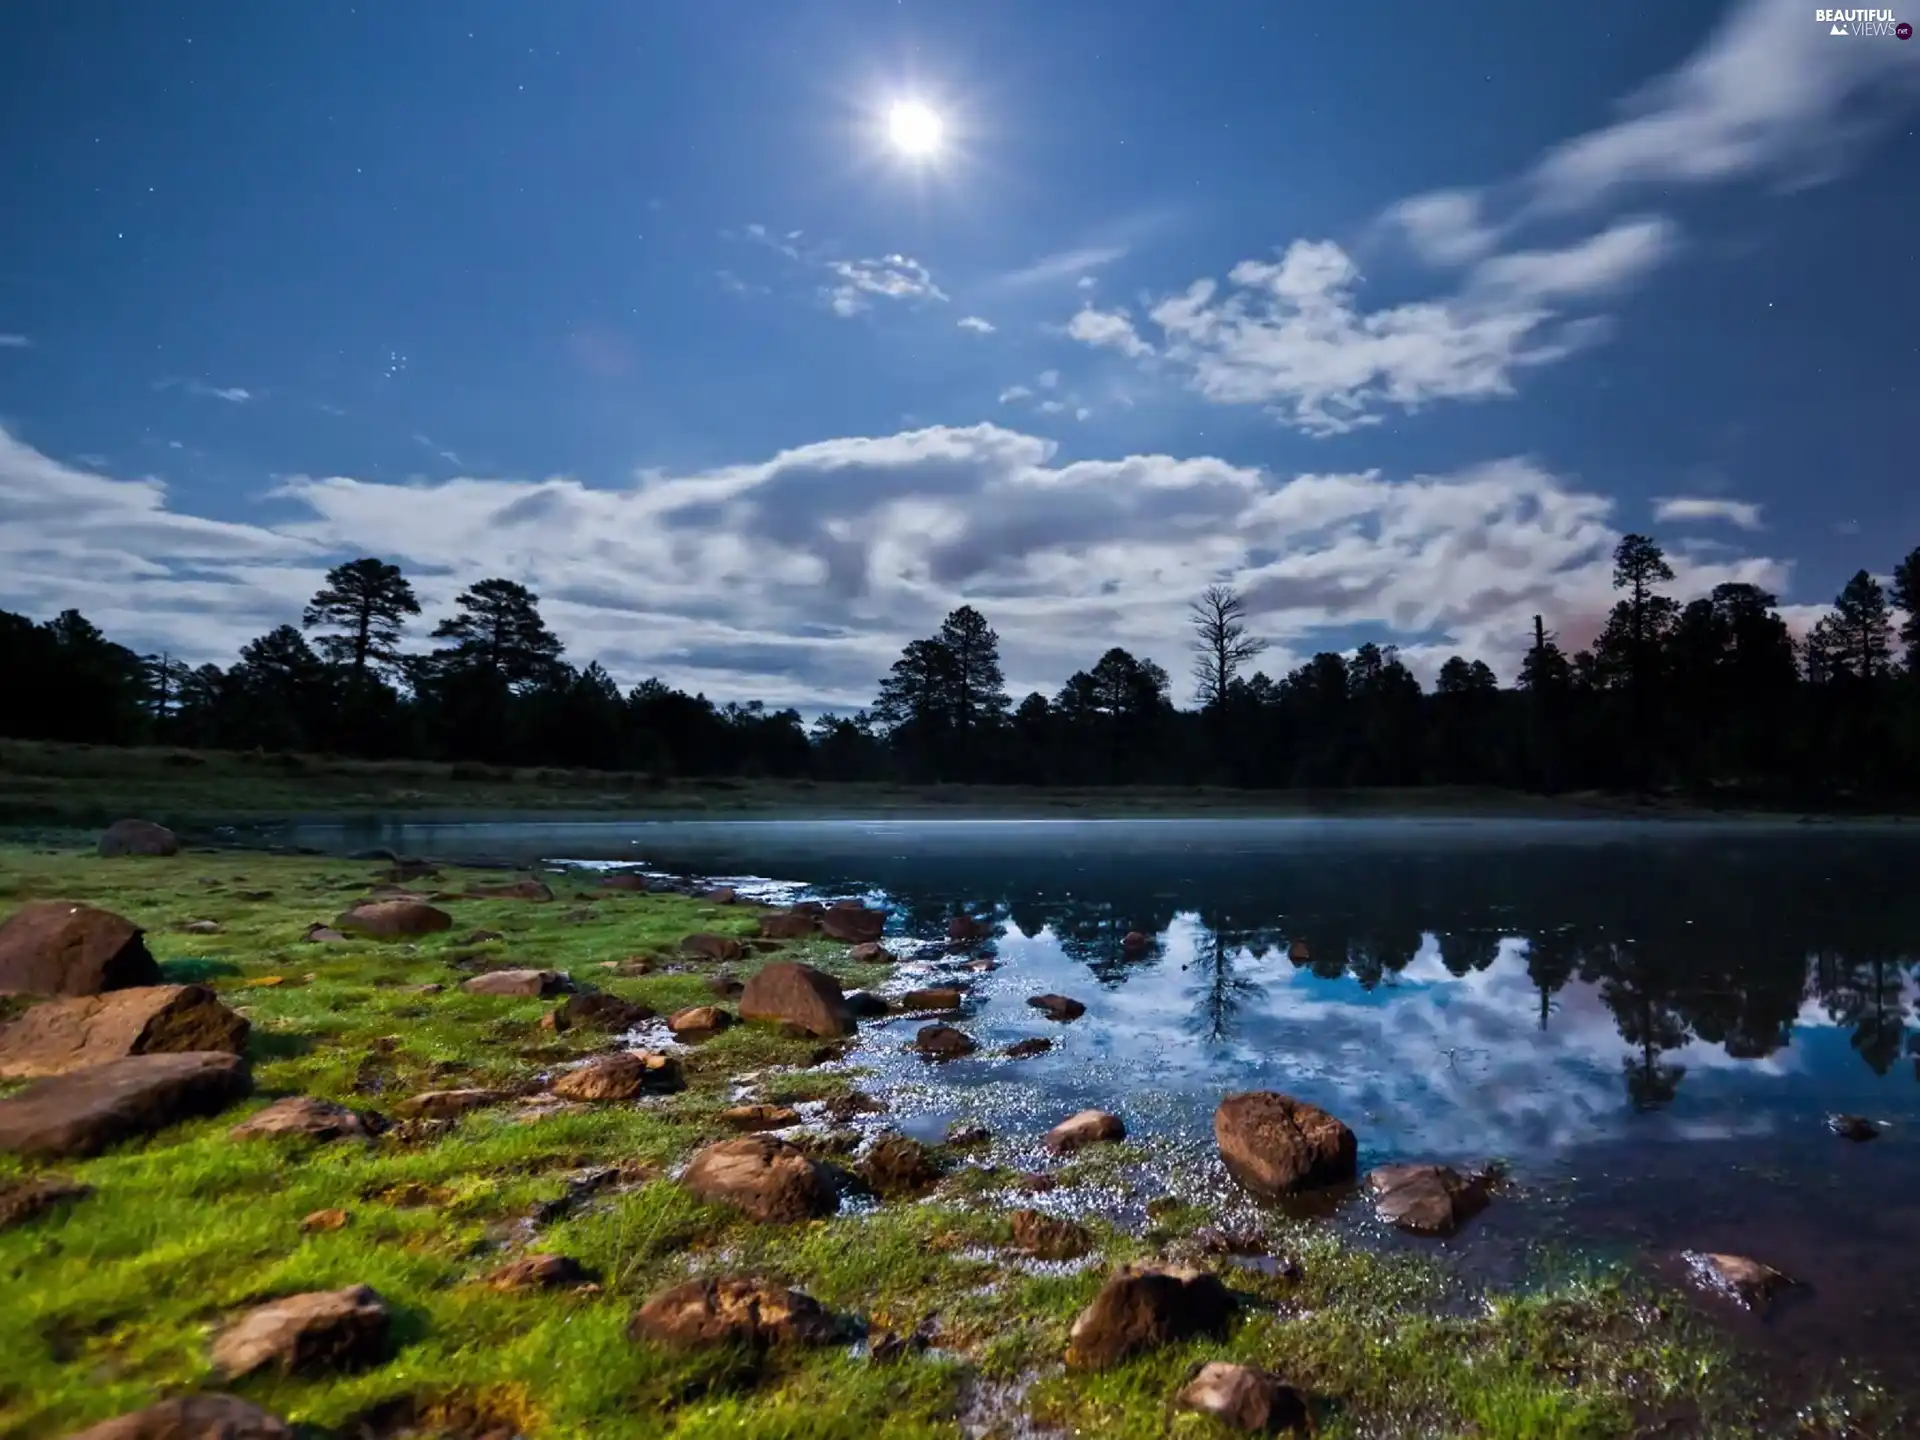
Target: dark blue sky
{"x":637,"y":303}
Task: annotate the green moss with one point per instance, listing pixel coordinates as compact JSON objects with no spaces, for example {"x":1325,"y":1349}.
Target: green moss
{"x":110,"y":1301}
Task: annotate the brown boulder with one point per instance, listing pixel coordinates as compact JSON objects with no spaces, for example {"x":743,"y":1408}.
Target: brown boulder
{"x":736,"y":1313}
{"x":59,"y":1036}
{"x":626,"y":880}
{"x":720,"y":895}
{"x":1135,"y":941}
{"x":392,"y":920}
{"x":1047,"y":1237}
{"x":712,"y":947}
{"x":1299,"y":952}
{"x":537,"y":890}
{"x":767,"y":1178}
{"x":760,"y":1117}
{"x":852,"y":922}
{"x":25,"y":1199}
{"x":936,"y":997}
{"x":192,"y":1417}
{"x":308,"y":1334}
{"x":446,"y":1104}
{"x":1736,"y":1276}
{"x":1245,"y":1399}
{"x":597,"y":1010}
{"x":538,"y":1272}
{"x":1057,"y":1007}
{"x":865,"y":1005}
{"x":788,"y":925}
{"x":303,"y":1115}
{"x":799,"y":995}
{"x":1426,"y":1199}
{"x":872,"y":952}
{"x":318,"y":934}
{"x":898,"y":1165}
{"x":1089,"y":1127}
{"x":624,"y":1076}
{"x":1275,"y":1145}
{"x":943,"y":1042}
{"x":699,"y":1021}
{"x":518,"y":984}
{"x":962,"y":929}
{"x":1027,"y":1049}
{"x":1143,"y":1307}
{"x":53,"y":947}
{"x":321,"y":1222}
{"x":82,"y":1113}
{"x":138,"y":837}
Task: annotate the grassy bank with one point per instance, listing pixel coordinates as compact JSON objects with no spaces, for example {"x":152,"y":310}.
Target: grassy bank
{"x":110,"y":1300}
{"x":43,"y":783}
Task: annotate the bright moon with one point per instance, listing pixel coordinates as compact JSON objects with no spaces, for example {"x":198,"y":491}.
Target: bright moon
{"x":913,"y":129}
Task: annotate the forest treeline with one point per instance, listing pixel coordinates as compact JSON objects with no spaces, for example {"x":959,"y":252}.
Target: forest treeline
{"x":1714,"y":695}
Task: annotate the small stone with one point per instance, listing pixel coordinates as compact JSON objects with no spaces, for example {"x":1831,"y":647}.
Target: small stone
{"x":727,"y":987}
{"x":938,"y":997}
{"x":843,"y":1108}
{"x":446,"y":1104}
{"x":430,"y":988}
{"x":518,"y":984}
{"x":318,"y":934}
{"x":598,"y":1011}
{"x":734,"y":1312}
{"x":872,"y":952}
{"x":1426,"y":1199}
{"x":983,"y":964}
{"x":713,"y":947}
{"x":963,"y":1136}
{"x":1143,"y":1307}
{"x":538,"y":1272}
{"x":1089,"y":1127}
{"x":534,"y":890}
{"x":322,"y":1221}
{"x":1047,"y":1237}
{"x":307,"y":1117}
{"x":753,"y":1118}
{"x":1026,"y":1049}
{"x":26,"y":1199}
{"x":1058,"y":1007}
{"x":765,"y":1177}
{"x":321,"y":1331}
{"x":720,"y":895}
{"x":1299,"y":952}
{"x":1244,"y":1398}
{"x":699,"y":1022}
{"x":1853,"y":1127}
{"x":483,"y":937}
{"x":192,"y":1417}
{"x":899,"y":1165}
{"x":1736,"y":1276}
{"x":201,"y":927}
{"x":1135,"y":941}
{"x":1036,"y":1182}
{"x":624,"y":1076}
{"x":964,"y":929}
{"x":943,"y":1042}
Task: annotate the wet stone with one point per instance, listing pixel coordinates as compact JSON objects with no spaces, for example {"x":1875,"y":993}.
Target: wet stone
{"x":1058,"y":1007}
{"x":1737,"y":1277}
{"x":1089,"y":1127}
{"x":943,"y":1042}
{"x":1027,"y":1049}
{"x":937,"y":997}
{"x":1426,"y":1199}
{"x":1253,"y":1401}
{"x":1856,"y":1128}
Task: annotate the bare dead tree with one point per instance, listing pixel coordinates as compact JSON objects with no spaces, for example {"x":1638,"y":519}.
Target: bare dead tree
{"x":1221,"y":644}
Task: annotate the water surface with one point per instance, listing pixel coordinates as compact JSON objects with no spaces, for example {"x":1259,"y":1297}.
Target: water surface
{"x":1648,"y":1023}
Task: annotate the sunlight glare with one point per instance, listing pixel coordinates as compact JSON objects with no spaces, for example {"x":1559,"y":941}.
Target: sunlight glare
{"x":913,"y":129}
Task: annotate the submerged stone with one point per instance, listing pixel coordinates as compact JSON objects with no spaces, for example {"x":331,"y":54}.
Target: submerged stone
{"x":1736,"y":1276}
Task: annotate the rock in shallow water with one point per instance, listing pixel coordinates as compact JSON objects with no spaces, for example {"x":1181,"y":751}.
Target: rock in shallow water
{"x":1426,"y":1199}
{"x":943,"y":1042}
{"x":1736,"y":1276}
{"x":1275,"y":1145}
{"x":1026,"y":1049}
{"x":1089,"y":1127}
{"x":1058,"y":1007}
{"x":1853,"y":1127}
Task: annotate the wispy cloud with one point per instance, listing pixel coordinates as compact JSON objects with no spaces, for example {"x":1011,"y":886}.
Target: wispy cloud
{"x":232,"y":394}
{"x":977,"y":325}
{"x":1064,"y":265}
{"x":14,"y":342}
{"x":1741,"y":514}
{"x":892,"y":277}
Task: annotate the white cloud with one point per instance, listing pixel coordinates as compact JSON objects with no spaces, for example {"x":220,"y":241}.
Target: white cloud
{"x":1048,"y":379}
{"x":15,"y":342}
{"x":892,"y":277}
{"x":1015,"y":393}
{"x":1063,"y":265}
{"x":1051,"y":407}
{"x":1444,"y":226}
{"x":1291,"y":335}
{"x":796,"y":579}
{"x":1109,"y":329}
{"x":232,"y":394}
{"x":1680,"y":509}
{"x":976,"y":325}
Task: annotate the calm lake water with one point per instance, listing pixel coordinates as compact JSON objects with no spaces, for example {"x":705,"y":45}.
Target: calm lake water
{"x":1647,"y":1023}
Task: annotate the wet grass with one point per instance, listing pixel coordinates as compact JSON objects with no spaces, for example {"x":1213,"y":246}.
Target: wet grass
{"x":110,"y":1301}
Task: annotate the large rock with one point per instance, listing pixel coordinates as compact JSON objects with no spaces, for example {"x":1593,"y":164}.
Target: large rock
{"x":310,"y":1334}
{"x":786,"y":993}
{"x":766,"y":1177}
{"x":1089,"y":1127}
{"x":1426,"y":1199}
{"x":64,"y":1035}
{"x":53,"y":947}
{"x":192,"y":1417}
{"x":1142,"y":1307}
{"x":84,"y":1112}
{"x":1276,"y":1145}
{"x":737,"y":1313}
{"x":789,"y":925}
{"x":625,"y":1076}
{"x":1245,"y":1399}
{"x":394,"y":920}
{"x":138,"y":837}
{"x":518,"y":984}
{"x":306,"y":1117}
{"x":852,"y":922}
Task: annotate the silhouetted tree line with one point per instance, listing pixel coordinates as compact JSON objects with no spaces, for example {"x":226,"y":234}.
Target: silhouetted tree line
{"x":1713,"y":696}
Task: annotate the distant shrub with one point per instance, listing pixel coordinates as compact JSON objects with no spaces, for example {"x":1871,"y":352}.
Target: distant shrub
{"x":469,"y":772}
{"x":183,"y":759}
{"x":718,"y":782}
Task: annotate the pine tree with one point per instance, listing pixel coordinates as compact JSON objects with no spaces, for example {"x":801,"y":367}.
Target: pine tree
{"x":368,"y":602}
{"x":1221,"y":643}
{"x":499,"y":632}
{"x":1906,"y":595}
